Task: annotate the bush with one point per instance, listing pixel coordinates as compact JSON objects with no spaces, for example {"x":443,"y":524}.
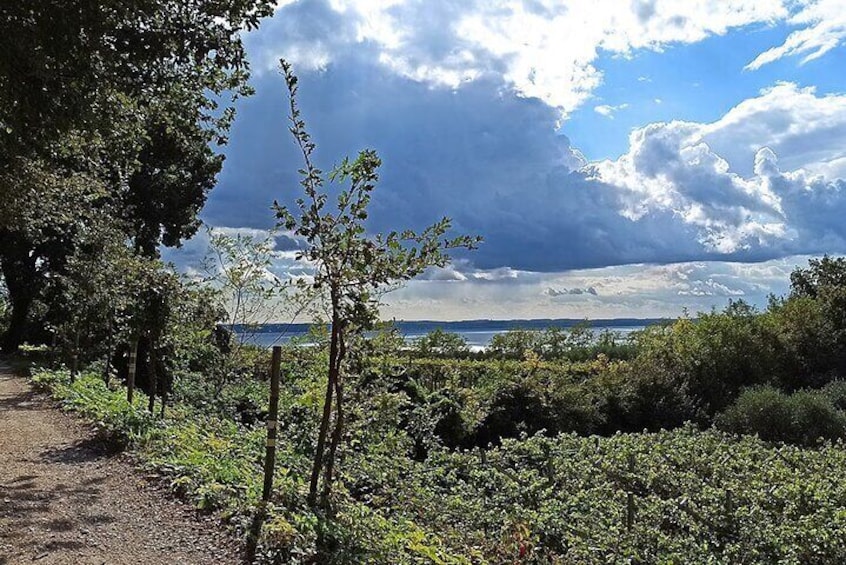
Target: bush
{"x":711,"y":358}
{"x":800,"y":418}
{"x":835,"y":391}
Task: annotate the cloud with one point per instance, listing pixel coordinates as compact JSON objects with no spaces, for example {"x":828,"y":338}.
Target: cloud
{"x":609,"y":111}
{"x":806,"y":129}
{"x":463,"y":100}
{"x":695,"y":172}
{"x":549,"y":291}
{"x":641,"y":291}
{"x":463,"y":291}
{"x":493,"y":162}
{"x":443,"y":274}
{"x":764,"y":180}
{"x":537,"y":49}
{"x":823,"y":28}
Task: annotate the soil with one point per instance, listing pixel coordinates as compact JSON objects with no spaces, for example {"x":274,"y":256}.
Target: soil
{"x":66,"y":498}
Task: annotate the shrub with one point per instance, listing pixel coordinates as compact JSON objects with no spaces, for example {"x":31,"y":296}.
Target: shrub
{"x":801,"y":418}
{"x":439,"y":343}
{"x":711,"y":358}
{"x":835,"y":391}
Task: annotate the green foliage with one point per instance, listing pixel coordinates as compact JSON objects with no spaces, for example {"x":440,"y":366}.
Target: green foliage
{"x":439,"y":343}
{"x":835,"y":391}
{"x":699,"y":496}
{"x":578,"y":343}
{"x":710,"y":359}
{"x":824,"y":281}
{"x":108,"y":112}
{"x":71,"y":65}
{"x":802,"y":418}
{"x":464,"y":403}
{"x":108,"y":409}
{"x":514,"y":344}
{"x":821,"y":275}
{"x":241,"y":286}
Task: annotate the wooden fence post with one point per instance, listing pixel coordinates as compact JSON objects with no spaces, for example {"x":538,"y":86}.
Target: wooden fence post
{"x":273,"y":413}
{"x":109,"y":346}
{"x":152,"y":378}
{"x":130,"y":377}
{"x":269,"y":456}
{"x":75,"y":357}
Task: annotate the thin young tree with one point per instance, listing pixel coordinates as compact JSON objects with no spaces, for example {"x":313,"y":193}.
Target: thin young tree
{"x":237,"y":269}
{"x":351,"y":267}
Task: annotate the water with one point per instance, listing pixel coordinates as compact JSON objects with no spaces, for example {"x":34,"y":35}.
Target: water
{"x":477,"y":333}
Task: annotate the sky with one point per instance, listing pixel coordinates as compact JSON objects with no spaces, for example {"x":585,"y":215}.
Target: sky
{"x":620,"y":158}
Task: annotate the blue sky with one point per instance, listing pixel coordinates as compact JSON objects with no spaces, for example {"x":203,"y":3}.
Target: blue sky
{"x":620,"y":158}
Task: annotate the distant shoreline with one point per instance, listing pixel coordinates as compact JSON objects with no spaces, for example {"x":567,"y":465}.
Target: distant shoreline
{"x":480,"y":324}
{"x":476,"y":333}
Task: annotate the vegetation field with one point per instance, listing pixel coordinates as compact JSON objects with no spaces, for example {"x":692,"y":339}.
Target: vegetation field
{"x":681,"y":496}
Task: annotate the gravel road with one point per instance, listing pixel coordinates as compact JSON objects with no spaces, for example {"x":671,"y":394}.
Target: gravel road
{"x":65,"y":499}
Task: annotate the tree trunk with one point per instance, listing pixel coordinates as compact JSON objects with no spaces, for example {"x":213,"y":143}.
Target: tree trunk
{"x":338,"y":431}
{"x":109,"y":346}
{"x":272,"y":425}
{"x":107,"y":369}
{"x":317,"y":465}
{"x":75,"y":356}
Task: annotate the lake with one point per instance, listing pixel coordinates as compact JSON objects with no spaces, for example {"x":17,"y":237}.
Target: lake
{"x":477,"y":333}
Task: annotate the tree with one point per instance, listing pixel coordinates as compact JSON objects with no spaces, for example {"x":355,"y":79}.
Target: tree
{"x":823,"y":283}
{"x":132,"y":96}
{"x":52,"y":210}
{"x":237,"y":269}
{"x":515,"y":344}
{"x":75,"y":64}
{"x":821,"y":274}
{"x":91,"y":293}
{"x":440,"y":343}
{"x":176,"y":168}
{"x":351,"y":268}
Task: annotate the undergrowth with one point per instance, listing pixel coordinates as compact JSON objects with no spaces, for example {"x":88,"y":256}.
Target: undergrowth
{"x":696,"y":497}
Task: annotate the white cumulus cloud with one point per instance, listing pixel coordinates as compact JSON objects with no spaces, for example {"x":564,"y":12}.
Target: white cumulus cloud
{"x":725,"y":179}
{"x":544,"y":49}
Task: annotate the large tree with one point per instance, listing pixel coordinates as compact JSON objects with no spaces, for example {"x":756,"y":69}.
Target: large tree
{"x":72,"y":64}
{"x":130,"y":94}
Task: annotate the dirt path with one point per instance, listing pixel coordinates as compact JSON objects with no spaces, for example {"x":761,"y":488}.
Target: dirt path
{"x":64,"y":499}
